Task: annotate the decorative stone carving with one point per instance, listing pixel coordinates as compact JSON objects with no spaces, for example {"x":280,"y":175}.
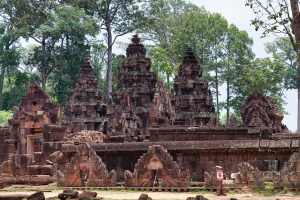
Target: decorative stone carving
{"x":262,"y":111}
{"x":244,"y":169}
{"x":290,"y":174}
{"x":157,"y":168}
{"x":210,"y":179}
{"x":86,"y":169}
{"x":161,"y":110}
{"x":191,"y":97}
{"x":84,"y":108}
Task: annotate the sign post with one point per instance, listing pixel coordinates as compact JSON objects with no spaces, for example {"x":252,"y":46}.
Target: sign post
{"x":220,"y":179}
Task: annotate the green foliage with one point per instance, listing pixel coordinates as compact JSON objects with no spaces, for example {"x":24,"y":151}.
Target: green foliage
{"x":271,"y":16}
{"x":20,"y":83}
{"x":282,"y":51}
{"x":223,"y":118}
{"x":162,"y":66}
{"x":5,"y":116}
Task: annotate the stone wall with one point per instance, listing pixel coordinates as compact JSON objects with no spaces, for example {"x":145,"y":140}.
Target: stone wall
{"x":198,"y":156}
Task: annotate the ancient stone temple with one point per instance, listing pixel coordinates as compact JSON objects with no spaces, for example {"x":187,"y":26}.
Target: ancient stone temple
{"x":260,"y":110}
{"x":84,"y":108}
{"x":147,"y":139}
{"x":34,"y":111}
{"x":191,"y":97}
{"x":34,"y":125}
{"x":129,"y":117}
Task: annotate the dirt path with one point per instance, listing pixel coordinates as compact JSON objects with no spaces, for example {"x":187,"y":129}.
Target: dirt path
{"x":127,"y":195}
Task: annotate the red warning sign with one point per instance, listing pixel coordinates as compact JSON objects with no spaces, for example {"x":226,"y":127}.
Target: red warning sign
{"x":219,"y":174}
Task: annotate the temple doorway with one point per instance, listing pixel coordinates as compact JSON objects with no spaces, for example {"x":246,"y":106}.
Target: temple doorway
{"x":34,"y":143}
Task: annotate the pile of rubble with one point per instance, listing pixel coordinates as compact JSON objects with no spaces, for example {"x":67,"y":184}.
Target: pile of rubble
{"x":86,"y":136}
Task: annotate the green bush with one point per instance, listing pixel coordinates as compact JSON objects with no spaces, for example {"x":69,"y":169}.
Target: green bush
{"x":5,"y":116}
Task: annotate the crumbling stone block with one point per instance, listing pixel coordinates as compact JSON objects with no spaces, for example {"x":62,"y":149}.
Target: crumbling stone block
{"x":36,"y":196}
{"x":47,"y":170}
{"x":34,"y":169}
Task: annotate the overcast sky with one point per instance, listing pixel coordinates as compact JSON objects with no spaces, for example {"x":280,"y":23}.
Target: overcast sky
{"x":235,"y":12}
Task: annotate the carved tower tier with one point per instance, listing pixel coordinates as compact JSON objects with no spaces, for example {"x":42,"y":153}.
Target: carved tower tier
{"x":84,"y":108}
{"x":191,"y":97}
{"x":129,"y":118}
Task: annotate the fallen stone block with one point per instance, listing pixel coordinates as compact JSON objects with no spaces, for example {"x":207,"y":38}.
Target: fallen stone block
{"x":67,"y":194}
{"x":34,"y":169}
{"x":36,"y":196}
{"x":47,"y":170}
{"x":200,"y":197}
{"x":190,"y":198}
{"x":89,"y":193}
{"x":144,"y":197}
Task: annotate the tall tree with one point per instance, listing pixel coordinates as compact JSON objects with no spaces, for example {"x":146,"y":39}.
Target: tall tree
{"x":238,"y":54}
{"x":275,"y":17}
{"x":9,"y":53}
{"x":282,"y":51}
{"x":49,"y":24}
{"x":217,"y":33}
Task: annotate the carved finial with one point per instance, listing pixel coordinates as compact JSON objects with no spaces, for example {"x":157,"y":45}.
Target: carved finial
{"x":135,"y":39}
{"x":86,"y":63}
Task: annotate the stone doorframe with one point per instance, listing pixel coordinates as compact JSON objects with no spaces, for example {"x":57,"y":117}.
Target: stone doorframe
{"x":30,"y":143}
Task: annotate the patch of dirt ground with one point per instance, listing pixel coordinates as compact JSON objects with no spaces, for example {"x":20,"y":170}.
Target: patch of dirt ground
{"x":130,"y":195}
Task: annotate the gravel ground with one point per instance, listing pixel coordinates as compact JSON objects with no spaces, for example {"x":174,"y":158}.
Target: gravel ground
{"x":128,"y":195}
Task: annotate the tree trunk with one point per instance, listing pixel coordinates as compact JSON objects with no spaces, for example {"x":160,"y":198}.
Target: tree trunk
{"x":228,"y":98}
{"x":2,"y":78}
{"x":296,"y":31}
{"x":3,"y":66}
{"x":109,"y":50}
{"x":43,"y":71}
{"x":217,"y":94}
{"x":109,"y":63}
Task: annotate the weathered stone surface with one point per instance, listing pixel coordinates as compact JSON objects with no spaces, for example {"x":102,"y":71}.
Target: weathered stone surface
{"x":136,"y":93}
{"x":190,"y":198}
{"x":200,"y":197}
{"x":86,"y":136}
{"x":90,"y":194}
{"x":143,"y":196}
{"x":289,"y":176}
{"x":34,"y":170}
{"x":191,"y":97}
{"x":55,"y":156}
{"x":86,"y":169}
{"x":210,"y":179}
{"x":36,"y":196}
{"x":47,"y":170}
{"x":67,"y":194}
{"x":157,"y":167}
{"x":161,"y":112}
{"x":263,"y":111}
{"x":84,"y":108}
